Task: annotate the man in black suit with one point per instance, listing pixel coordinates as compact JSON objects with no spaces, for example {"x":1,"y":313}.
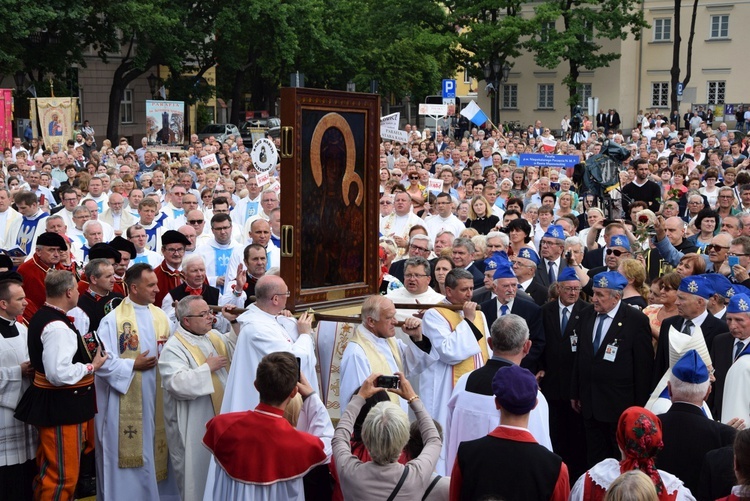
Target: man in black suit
{"x":525,"y":266}
{"x":487,"y":291}
{"x":560,"y":321}
{"x":618,"y":249}
{"x":613,"y":365}
{"x":601,"y":119}
{"x":688,"y":434}
{"x":551,"y":247}
{"x":594,"y":258}
{"x":463,"y":257}
{"x":692,"y":300}
{"x":506,"y":287}
{"x":419,"y":246}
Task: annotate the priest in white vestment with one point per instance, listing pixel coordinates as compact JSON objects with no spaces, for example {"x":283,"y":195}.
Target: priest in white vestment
{"x":265,"y":329}
{"x":472,"y":412}
{"x":194,"y":365}
{"x":133,"y":335}
{"x":374,"y":348}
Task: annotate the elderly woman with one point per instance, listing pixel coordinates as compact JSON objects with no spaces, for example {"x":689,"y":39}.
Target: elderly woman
{"x":640,"y":440}
{"x":385,"y":432}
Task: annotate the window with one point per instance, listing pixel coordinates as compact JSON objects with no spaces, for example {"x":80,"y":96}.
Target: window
{"x":588,"y":30}
{"x":660,"y":94}
{"x":584,"y":93}
{"x":510,"y":96}
{"x":716,"y":92}
{"x":547,"y":28}
{"x":126,"y":107}
{"x":662,"y":30}
{"x":546,"y":99}
{"x":720,"y":26}
{"x":467,"y":77}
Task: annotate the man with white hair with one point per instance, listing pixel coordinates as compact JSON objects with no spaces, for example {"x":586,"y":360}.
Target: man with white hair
{"x":107,"y":230}
{"x":375,"y":349}
{"x":115,"y":216}
{"x":419,"y":246}
{"x":268,"y":202}
{"x":92,"y":232}
{"x":397,"y":224}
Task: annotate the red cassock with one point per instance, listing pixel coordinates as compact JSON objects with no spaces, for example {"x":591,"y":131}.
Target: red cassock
{"x":33,"y":272}
{"x":167,"y":280}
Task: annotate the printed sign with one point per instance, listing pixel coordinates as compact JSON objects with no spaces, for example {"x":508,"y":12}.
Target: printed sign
{"x":540,"y":160}
{"x":264,"y":155}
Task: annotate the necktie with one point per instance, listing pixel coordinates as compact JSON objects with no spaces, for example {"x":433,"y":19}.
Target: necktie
{"x":598,"y":339}
{"x":552,"y":276}
{"x":193,"y":292}
{"x":738,"y":349}
{"x":503,"y":310}
{"x":564,"y":322}
{"x":686,"y":327}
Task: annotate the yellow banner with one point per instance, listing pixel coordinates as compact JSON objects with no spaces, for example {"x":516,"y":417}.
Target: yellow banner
{"x":56,"y":115}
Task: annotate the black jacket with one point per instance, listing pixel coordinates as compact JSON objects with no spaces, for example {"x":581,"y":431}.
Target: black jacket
{"x":558,"y":356}
{"x":722,"y":356}
{"x":532,"y":314}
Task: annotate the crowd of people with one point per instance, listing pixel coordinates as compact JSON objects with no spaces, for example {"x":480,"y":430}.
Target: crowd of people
{"x":561,"y":351}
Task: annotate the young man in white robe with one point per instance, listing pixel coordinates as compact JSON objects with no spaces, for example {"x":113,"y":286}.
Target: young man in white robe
{"x":374,"y":348}
{"x":133,"y":335}
{"x":217,"y":252}
{"x":194,"y":366}
{"x":472,"y":413}
{"x":459,"y":342}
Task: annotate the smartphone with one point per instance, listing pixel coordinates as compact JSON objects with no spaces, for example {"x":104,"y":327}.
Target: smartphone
{"x":387,"y":382}
{"x":733,"y":260}
{"x":299,"y":369}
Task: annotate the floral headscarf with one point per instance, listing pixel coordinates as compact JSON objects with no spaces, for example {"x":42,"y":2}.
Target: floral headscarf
{"x":639,"y":437}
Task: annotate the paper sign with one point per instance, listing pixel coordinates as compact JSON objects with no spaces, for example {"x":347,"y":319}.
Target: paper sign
{"x":276,"y":187}
{"x":390,"y":121}
{"x":262,"y":178}
{"x":433,"y":109}
{"x":435,"y":185}
{"x":209,"y":161}
{"x":394,"y":135}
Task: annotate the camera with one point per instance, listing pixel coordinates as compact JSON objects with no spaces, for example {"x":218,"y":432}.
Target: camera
{"x":387,"y":382}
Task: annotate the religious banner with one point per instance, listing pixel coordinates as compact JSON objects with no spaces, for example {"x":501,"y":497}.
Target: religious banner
{"x":6,"y":118}
{"x":329,"y":212}
{"x":542,"y":160}
{"x":56,"y":116}
{"x":165,"y":123}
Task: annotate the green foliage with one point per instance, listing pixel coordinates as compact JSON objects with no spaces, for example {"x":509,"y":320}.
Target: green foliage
{"x":585,"y":22}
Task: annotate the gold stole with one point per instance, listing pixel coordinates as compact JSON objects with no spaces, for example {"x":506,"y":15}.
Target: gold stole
{"x":468,"y":365}
{"x":130,"y":444}
{"x":218,"y":395}
{"x":378,"y":363}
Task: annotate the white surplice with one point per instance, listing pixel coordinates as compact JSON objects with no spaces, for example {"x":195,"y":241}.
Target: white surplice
{"x":18,"y":441}
{"x":188,"y":407}
{"x":355,"y":367}
{"x":736,"y":401}
{"x":113,"y":380}
{"x":472,"y":416}
{"x":262,"y":334}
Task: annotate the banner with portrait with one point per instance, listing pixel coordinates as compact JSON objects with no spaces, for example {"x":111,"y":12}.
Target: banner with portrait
{"x":6,"y":118}
{"x":56,"y":116}
{"x":165,"y":122}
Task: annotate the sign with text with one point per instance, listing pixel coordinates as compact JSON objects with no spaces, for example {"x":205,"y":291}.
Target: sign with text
{"x":394,"y":135}
{"x":541,"y":160}
{"x":262,"y":178}
{"x":449,"y":88}
{"x":209,"y":161}
{"x":436,"y":185}
{"x":433,"y":109}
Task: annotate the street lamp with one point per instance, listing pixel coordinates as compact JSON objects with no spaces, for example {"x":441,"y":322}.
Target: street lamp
{"x":153,"y":80}
{"x":351,"y":86}
{"x":492,"y":71}
{"x":20,"y":79}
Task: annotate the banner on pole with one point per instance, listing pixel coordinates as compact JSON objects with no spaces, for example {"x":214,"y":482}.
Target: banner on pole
{"x":541,"y":160}
{"x":56,"y":115}
{"x":165,"y":123}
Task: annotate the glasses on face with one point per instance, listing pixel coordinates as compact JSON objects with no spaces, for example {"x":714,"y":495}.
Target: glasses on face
{"x":221,"y":228}
{"x":549,"y":242}
{"x":412,"y":276}
{"x":416,"y":248}
{"x":386,"y":203}
{"x":203,"y":314}
{"x":286,"y":294}
{"x":617,"y":253}
{"x":178,"y":250}
{"x":735,"y":254}
{"x":716,"y":247}
{"x":571,"y":289}
{"x":414,"y":178}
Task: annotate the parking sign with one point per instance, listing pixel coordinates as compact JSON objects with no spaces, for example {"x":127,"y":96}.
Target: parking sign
{"x":449,"y":88}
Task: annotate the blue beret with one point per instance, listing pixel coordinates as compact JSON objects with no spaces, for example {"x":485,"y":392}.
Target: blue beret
{"x":530,"y":254}
{"x":515,"y":389}
{"x":697,"y":285}
{"x":568,"y":274}
{"x":690,"y":368}
{"x":504,"y":270}
{"x":737,"y":289}
{"x":491,"y":262}
{"x":554,"y":231}
{"x":610,"y":280}
{"x":619,"y":241}
{"x":739,"y":303}
{"x":721,"y":284}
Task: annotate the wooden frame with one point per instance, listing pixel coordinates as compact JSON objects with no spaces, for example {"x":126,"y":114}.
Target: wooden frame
{"x":329,"y":198}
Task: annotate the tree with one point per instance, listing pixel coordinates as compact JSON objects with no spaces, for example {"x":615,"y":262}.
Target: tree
{"x":674,"y":72}
{"x":487,"y":32}
{"x":585,"y":22}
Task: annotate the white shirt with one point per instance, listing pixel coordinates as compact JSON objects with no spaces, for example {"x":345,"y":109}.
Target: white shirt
{"x":607,"y":322}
